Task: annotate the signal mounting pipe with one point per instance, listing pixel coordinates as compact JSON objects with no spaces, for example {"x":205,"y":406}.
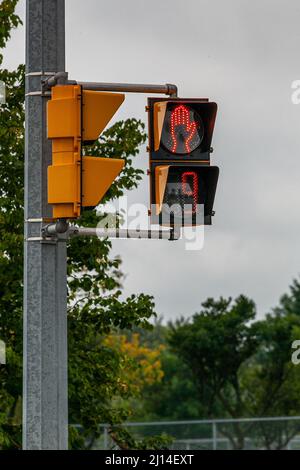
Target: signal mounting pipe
{"x":62,"y":228}
{"x":62,"y":78}
{"x":167,"y":89}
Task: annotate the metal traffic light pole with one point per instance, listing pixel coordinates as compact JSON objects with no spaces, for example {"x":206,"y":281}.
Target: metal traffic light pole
{"x":45,"y":404}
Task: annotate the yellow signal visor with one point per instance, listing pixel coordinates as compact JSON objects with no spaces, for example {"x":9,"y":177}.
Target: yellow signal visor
{"x":97,"y":110}
{"x":98,"y":175}
{"x":161,"y":178}
{"x":159,"y":112}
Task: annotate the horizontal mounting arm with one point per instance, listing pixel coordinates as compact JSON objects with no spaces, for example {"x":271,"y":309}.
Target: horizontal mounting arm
{"x":63,"y":228}
{"x":62,"y":78}
{"x":167,"y":89}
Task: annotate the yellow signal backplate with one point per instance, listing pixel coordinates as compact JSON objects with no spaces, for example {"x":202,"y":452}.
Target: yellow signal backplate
{"x":97,"y":110}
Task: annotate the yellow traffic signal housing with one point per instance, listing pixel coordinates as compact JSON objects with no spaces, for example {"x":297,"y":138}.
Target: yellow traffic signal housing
{"x":182,"y":182}
{"x":74,"y":117}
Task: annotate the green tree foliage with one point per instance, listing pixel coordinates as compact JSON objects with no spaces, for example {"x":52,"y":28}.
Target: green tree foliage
{"x":223,"y":363}
{"x":177,"y":392}
{"x":11,"y":237}
{"x":215,"y":344}
{"x":8,"y":21}
{"x":95,"y":279}
{"x":242,"y":367}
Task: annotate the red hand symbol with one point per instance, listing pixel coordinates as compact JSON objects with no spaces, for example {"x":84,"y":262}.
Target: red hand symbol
{"x":181,"y":117}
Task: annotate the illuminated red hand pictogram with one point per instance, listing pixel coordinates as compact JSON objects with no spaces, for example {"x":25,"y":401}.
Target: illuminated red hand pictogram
{"x":180,"y":118}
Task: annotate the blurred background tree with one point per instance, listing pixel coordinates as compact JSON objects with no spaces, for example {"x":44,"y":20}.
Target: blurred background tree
{"x":222,"y":363}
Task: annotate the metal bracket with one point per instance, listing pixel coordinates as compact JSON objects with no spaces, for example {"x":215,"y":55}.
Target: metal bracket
{"x":38,"y":93}
{"x":34,"y":221}
{"x":43,"y":91}
{"x":59,"y":78}
{"x":39,"y":74}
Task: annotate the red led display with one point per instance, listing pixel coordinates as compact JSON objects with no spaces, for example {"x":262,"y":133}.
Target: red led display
{"x":183,"y":130}
{"x":189,"y":183}
{"x":180,"y":116}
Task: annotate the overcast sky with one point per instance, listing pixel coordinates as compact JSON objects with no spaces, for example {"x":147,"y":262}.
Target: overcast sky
{"x":243,"y":55}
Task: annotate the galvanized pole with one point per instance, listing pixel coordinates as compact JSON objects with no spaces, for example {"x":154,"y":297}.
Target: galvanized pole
{"x":45,"y":414}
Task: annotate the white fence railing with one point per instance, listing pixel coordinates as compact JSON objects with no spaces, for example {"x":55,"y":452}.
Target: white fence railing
{"x":228,"y":434}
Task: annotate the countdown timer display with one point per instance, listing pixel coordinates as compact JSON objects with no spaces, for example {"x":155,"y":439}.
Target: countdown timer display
{"x":185,"y":191}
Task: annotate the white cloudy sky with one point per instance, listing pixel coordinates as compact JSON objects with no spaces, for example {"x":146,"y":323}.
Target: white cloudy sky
{"x":243,"y":55}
